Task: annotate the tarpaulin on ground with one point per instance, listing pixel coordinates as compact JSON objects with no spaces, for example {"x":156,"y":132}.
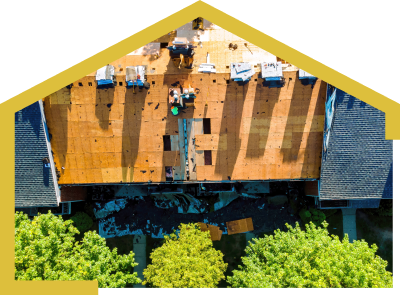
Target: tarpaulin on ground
{"x":104,"y":210}
{"x":186,"y":203}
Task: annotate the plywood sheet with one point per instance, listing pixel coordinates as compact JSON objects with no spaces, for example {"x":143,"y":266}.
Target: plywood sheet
{"x":240,"y":226}
{"x":215,"y":232}
{"x":174,"y":142}
{"x":109,"y":136}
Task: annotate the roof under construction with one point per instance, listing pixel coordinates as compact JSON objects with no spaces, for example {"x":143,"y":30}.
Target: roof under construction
{"x":254,"y":132}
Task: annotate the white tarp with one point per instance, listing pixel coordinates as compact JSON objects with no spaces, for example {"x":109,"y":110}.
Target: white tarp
{"x":241,"y":70}
{"x":105,"y":73}
{"x":304,"y":74}
{"x":108,"y":208}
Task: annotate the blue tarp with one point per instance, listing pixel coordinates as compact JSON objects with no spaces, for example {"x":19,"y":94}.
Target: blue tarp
{"x":273,"y":79}
{"x":241,"y":80}
{"x":310,"y":78}
{"x":104,"y":82}
{"x":179,"y":50}
{"x":138,"y":83}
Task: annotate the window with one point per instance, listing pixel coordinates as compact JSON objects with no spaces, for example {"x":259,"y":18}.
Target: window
{"x":153,"y":82}
{"x":207,"y":158}
{"x":167,"y":143}
{"x":120,"y":83}
{"x":214,"y":81}
{"x":227,"y":81}
{"x":90,"y":83}
{"x":227,"y":67}
{"x":163,"y":44}
{"x":80,"y":84}
{"x":206,"y":126}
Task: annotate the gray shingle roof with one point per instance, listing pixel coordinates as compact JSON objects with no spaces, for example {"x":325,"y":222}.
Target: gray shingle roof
{"x":358,"y":162}
{"x":34,"y":184}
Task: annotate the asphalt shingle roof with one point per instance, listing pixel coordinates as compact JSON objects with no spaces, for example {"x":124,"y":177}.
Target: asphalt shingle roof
{"x":358,"y":162}
{"x":34,"y":185}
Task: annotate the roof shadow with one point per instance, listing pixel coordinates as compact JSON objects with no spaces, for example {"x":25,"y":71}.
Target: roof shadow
{"x":104,"y":102}
{"x":231,"y":122}
{"x":134,"y":106}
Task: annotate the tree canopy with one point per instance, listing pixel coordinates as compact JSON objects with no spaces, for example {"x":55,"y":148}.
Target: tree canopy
{"x":186,"y":260}
{"x":45,"y":249}
{"x":310,"y":258}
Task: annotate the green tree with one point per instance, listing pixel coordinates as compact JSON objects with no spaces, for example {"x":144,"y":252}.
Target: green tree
{"x":310,"y":258}
{"x":185,"y":260}
{"x":45,"y":249}
{"x":82,"y":221}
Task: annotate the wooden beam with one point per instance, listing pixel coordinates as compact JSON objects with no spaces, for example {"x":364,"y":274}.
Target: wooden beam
{"x":182,"y":148}
{"x":174,"y":142}
{"x":176,"y":170}
{"x":190,"y":129}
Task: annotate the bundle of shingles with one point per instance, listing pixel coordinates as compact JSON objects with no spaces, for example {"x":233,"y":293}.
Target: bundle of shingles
{"x":215,"y":232}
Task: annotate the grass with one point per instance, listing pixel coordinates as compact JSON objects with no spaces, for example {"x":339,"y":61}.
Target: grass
{"x":232,"y":246}
{"x":376,"y":229}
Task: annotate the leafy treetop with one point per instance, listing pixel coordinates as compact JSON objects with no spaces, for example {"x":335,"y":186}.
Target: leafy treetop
{"x":310,"y":258}
{"x":45,"y":249}
{"x":186,"y":261}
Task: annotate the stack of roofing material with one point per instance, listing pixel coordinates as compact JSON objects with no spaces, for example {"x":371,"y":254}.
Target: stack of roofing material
{"x":241,"y":71}
{"x":304,"y":75}
{"x":135,"y":75}
{"x":207,"y":67}
{"x":271,"y":71}
{"x":104,"y":76}
{"x":215,"y":232}
{"x":180,"y":46}
{"x":306,"y":78}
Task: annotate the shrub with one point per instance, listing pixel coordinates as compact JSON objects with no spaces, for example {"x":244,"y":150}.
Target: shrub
{"x":310,"y":259}
{"x":82,"y":221}
{"x":312,"y":215}
{"x":46,"y":249}
{"x":186,"y":261}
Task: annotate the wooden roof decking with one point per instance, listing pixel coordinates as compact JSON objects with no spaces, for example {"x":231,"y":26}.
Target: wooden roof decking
{"x":215,"y":41}
{"x":257,"y":133}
